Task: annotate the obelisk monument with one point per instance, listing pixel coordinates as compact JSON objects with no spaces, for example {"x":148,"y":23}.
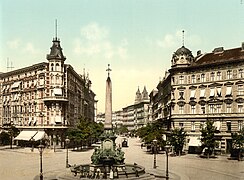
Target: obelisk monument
{"x":108,"y":103}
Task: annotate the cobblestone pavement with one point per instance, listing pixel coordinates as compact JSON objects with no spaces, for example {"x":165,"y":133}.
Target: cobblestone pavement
{"x":22,"y":164}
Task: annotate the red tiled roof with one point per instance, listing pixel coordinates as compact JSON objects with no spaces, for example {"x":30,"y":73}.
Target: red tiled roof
{"x":225,"y":56}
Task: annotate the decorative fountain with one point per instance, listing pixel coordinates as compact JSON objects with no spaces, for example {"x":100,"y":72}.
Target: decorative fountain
{"x":108,"y":160}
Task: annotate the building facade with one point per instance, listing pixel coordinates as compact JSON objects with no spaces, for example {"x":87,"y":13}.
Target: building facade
{"x":133,"y":116}
{"x":48,"y":96}
{"x":208,"y":86}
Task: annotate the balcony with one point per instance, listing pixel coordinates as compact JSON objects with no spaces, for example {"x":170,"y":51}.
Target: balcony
{"x":55,"y":98}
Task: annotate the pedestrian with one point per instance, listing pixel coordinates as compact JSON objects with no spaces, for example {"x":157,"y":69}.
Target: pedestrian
{"x":141,"y":145}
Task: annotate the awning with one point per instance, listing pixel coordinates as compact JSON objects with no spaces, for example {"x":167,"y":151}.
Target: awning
{"x":194,"y":141}
{"x":217,"y":124}
{"x":57,"y":91}
{"x":58,"y":119}
{"x":25,"y":135}
{"x":192,"y":94}
{"x":39,"y":135}
{"x":219,"y":91}
{"x":212,"y":92}
{"x":16,"y":84}
{"x":202,"y":93}
{"x":229,"y":90}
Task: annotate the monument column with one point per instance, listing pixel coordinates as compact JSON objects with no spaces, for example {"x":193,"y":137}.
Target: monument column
{"x":108,"y":103}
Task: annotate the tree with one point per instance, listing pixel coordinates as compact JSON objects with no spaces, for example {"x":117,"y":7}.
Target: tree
{"x":85,"y":133}
{"x":238,"y":142}
{"x":122,"y":130}
{"x":152,"y":131}
{"x":207,"y":137}
{"x":177,"y":139}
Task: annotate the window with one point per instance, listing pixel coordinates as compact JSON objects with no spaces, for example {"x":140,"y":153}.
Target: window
{"x":192,"y":94}
{"x":212,"y":76}
{"x":218,"y":75}
{"x":240,"y":125}
{"x":181,"y":79}
{"x":202,"y":124}
{"x":212,"y":92}
{"x":228,"y":108}
{"x":218,"y":109}
{"x":181,"y":125}
{"x":193,"y":108}
{"x":181,"y":109}
{"x":240,"y":89}
{"x":229,"y":74}
{"x":202,"y":93}
{"x":193,"y":126}
{"x":212,"y":109}
{"x":181,"y":94}
{"x":203,"y":109}
{"x":228,"y":125}
{"x":241,"y":73}
{"x":240,"y":107}
{"x":202,"y":77}
{"x":193,"y":79}
{"x":228,"y":91}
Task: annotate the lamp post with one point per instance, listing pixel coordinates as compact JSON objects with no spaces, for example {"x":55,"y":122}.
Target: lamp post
{"x":41,"y":148}
{"x":167,"y":161}
{"x":155,"y":152}
{"x":67,"y":151}
{"x":32,"y":144}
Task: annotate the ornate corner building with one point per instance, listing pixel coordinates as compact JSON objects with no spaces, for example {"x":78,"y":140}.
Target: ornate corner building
{"x":48,"y":96}
{"x":208,"y":86}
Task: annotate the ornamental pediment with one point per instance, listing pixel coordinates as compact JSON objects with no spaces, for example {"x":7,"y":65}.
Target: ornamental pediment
{"x":181,"y":88}
{"x":202,"y":102}
{"x":193,"y":87}
{"x":202,"y":86}
{"x":181,"y":103}
{"x":229,"y":84}
{"x":239,"y":100}
{"x":239,"y":82}
{"x":215,"y":85}
{"x":228,"y":101}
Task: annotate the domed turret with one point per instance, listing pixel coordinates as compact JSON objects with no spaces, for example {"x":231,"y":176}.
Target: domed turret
{"x":182,"y":57}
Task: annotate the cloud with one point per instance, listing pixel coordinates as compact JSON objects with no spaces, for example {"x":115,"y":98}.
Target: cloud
{"x":13,"y":44}
{"x":95,"y":40}
{"x":94,"y":32}
{"x":22,"y":46}
{"x":29,"y":48}
{"x":175,"y":40}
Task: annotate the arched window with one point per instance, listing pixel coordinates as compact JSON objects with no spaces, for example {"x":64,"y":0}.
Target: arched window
{"x":52,"y":67}
{"x":57,"y":66}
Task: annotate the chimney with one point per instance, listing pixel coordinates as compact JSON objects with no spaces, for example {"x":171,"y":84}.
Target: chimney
{"x":199,"y":52}
{"x":242,"y":46}
{"x":218,"y":50}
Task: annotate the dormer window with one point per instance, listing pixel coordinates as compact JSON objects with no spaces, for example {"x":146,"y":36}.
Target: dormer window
{"x":241,"y":75}
{"x":218,"y":75}
{"x":212,"y":76}
{"x":181,"y":79}
{"x":193,"y":79}
{"x":229,"y":74}
{"x":202,"y":77}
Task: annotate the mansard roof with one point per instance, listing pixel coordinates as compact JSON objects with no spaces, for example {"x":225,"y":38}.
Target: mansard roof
{"x":56,"y":51}
{"x":220,"y":55}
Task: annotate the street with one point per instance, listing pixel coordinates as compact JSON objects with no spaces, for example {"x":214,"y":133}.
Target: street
{"x":22,"y":164}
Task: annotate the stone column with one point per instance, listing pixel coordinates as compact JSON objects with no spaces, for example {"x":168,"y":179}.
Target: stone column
{"x":108,"y":105}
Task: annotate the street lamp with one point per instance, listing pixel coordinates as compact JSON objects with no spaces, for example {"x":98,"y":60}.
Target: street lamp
{"x":67,"y":150}
{"x":41,"y":148}
{"x":155,"y":152}
{"x":32,"y":144}
{"x":167,"y":161}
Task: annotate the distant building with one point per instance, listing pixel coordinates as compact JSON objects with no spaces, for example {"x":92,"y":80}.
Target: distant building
{"x":133,"y":116}
{"x":49,"y":96}
{"x":208,"y":86}
{"x":136,"y":115}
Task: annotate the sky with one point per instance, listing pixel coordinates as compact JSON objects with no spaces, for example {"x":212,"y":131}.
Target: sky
{"x":136,"y":37}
